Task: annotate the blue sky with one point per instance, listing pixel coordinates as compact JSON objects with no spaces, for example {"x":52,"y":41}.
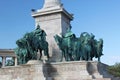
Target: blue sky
{"x":100,"y":17}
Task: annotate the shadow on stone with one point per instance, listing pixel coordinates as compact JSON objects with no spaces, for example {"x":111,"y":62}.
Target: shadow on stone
{"x":0,"y":64}
{"x":49,"y":71}
{"x":99,"y":70}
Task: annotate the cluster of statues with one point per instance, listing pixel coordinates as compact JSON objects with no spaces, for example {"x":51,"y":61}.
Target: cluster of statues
{"x":85,"y":47}
{"x":73,"y":48}
{"x":30,"y":44}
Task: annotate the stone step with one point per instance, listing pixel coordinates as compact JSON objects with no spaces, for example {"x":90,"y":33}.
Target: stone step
{"x":74,"y":77}
{"x":5,"y":77}
{"x":73,"y":73}
{"x":102,"y":79}
{"x":97,"y":75}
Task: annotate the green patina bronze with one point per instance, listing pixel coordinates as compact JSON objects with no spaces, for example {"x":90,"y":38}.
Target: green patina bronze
{"x":30,"y":44}
{"x":85,"y":47}
{"x":73,"y":48}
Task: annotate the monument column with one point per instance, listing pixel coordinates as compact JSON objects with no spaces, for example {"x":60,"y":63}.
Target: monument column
{"x":15,"y":59}
{"x":3,"y":61}
{"x":53,"y":19}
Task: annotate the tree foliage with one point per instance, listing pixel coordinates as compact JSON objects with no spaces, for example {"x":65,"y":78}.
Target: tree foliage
{"x":114,"y":70}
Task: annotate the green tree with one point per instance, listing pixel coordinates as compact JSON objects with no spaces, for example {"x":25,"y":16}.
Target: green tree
{"x":114,"y":70}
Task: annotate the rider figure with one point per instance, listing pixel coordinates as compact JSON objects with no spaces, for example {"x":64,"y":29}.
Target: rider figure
{"x":40,"y":33}
{"x":69,"y":35}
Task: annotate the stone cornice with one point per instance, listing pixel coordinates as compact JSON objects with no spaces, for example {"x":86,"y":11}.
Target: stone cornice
{"x":52,"y":11}
{"x":7,"y":52}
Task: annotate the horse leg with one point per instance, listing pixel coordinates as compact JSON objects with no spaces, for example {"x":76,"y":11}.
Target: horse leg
{"x":40,"y":54}
{"x":98,"y":58}
{"x":62,"y":57}
{"x":24,"y":60}
{"x":70,"y":54}
{"x":34,"y":55}
{"x":85,"y":55}
{"x":89,"y":57}
{"x":46,"y":54}
{"x":20,"y":60}
{"x":66,"y":55}
{"x":78,"y":55}
{"x":81,"y":55}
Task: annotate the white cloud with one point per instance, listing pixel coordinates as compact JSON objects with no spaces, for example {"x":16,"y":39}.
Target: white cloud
{"x":111,"y":60}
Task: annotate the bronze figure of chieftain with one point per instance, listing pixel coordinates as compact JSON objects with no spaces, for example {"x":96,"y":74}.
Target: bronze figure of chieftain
{"x":85,"y":47}
{"x":30,"y":45}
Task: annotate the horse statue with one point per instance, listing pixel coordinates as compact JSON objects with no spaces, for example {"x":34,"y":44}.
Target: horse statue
{"x":21,"y":51}
{"x":70,"y":47}
{"x":85,"y":46}
{"x":76,"y":47}
{"x":63,"y":47}
{"x":99,"y":49}
{"x":39,"y":42}
{"x":41,"y":46}
{"x":30,"y":44}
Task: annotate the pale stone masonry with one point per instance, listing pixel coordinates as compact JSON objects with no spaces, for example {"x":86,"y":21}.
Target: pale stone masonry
{"x":76,"y":70}
{"x":54,"y":19}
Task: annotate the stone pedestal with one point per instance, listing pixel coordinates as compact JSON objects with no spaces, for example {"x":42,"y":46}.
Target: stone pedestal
{"x":76,"y":70}
{"x":33,"y":70}
{"x":68,"y":71}
{"x":36,"y":70}
{"x":53,"y":19}
{"x":34,"y":62}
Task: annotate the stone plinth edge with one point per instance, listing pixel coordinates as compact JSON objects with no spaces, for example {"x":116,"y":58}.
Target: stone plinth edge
{"x":34,"y":62}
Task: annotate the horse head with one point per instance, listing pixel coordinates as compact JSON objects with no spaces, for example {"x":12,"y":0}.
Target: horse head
{"x":58,"y":39}
{"x":21,"y":43}
{"x":101,"y":41}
